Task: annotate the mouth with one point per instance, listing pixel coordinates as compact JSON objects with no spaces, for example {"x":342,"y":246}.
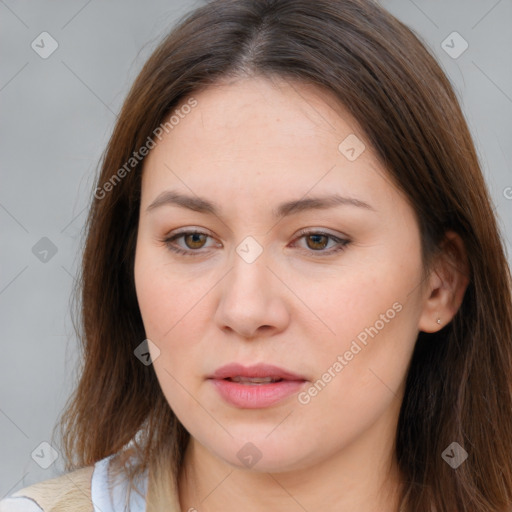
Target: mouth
{"x":256,"y":374}
{"x":253,"y":381}
{"x":255,"y":387}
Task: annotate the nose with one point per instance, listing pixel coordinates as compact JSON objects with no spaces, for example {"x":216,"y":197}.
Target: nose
{"x":252,"y":302}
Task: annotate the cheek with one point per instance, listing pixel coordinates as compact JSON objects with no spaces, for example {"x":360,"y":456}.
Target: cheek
{"x":171,"y":310}
{"x":357,"y":383}
{"x":174,"y":314}
{"x":374,"y":317}
{"x":168,"y":302}
{"x":154,"y":299}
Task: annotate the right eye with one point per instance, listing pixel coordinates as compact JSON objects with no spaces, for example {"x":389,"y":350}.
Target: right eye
{"x":192,"y":241}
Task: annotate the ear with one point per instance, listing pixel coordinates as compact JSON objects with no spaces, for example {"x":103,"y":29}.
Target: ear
{"x":446,"y":285}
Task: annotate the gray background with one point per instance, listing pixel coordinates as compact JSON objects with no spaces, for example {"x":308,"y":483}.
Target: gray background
{"x":56,"y":117}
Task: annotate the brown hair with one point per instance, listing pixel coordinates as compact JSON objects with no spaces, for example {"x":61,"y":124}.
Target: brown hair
{"x":459,"y":381}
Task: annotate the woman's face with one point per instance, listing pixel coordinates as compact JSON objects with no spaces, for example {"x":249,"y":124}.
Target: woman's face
{"x":281,"y":271}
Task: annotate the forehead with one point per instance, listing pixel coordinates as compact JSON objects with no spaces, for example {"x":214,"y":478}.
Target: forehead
{"x":271,"y":135}
{"x":248,"y":111}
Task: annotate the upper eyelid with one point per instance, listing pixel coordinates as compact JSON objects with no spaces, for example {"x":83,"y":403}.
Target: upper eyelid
{"x":301,"y":232}
{"x":319,"y":231}
{"x":176,"y":235}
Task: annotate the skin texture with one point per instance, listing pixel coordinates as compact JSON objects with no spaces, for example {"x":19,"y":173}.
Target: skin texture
{"x":249,"y":145}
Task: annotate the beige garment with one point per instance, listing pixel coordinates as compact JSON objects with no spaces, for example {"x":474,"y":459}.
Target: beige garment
{"x":70,"y":491}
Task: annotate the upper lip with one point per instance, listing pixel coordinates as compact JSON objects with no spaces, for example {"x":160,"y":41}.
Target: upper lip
{"x":257,"y":370}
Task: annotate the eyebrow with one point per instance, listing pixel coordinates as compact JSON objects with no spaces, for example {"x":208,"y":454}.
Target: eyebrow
{"x":201,"y":205}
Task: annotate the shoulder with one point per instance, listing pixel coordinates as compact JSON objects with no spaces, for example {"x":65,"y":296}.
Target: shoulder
{"x":70,"y":491}
{"x":89,"y":489}
{"x":19,"y":504}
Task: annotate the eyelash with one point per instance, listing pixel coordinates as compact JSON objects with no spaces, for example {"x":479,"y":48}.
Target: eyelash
{"x":342,"y":243}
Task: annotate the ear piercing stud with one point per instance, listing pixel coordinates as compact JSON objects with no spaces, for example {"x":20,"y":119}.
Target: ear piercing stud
{"x":438,"y":320}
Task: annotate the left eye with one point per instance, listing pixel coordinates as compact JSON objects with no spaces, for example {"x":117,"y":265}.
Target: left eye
{"x":318,"y":241}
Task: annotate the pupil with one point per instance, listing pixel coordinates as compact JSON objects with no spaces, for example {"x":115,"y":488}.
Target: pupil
{"x":194,"y":240}
{"x":319,"y":241}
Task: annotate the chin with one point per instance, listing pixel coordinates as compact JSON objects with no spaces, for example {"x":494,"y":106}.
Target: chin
{"x":260,"y":454}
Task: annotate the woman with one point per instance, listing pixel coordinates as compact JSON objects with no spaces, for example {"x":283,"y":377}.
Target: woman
{"x":294,"y":293}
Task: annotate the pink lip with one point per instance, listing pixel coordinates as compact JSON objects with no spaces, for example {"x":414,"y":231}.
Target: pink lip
{"x":258,"y":370}
{"x":248,"y":396}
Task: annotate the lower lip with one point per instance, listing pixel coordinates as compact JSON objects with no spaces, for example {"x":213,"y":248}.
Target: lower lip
{"x":256,"y":396}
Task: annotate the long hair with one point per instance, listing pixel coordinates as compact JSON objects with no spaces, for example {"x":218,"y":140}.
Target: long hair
{"x":458,"y":386}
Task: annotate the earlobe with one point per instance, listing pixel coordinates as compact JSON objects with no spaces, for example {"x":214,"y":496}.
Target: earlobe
{"x":446,"y":285}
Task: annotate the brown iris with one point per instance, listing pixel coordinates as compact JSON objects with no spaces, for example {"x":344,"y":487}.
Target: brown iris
{"x":195,"y":240}
{"x":318,"y":241}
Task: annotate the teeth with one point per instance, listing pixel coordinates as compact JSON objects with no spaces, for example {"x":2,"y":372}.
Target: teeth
{"x":254,"y":380}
